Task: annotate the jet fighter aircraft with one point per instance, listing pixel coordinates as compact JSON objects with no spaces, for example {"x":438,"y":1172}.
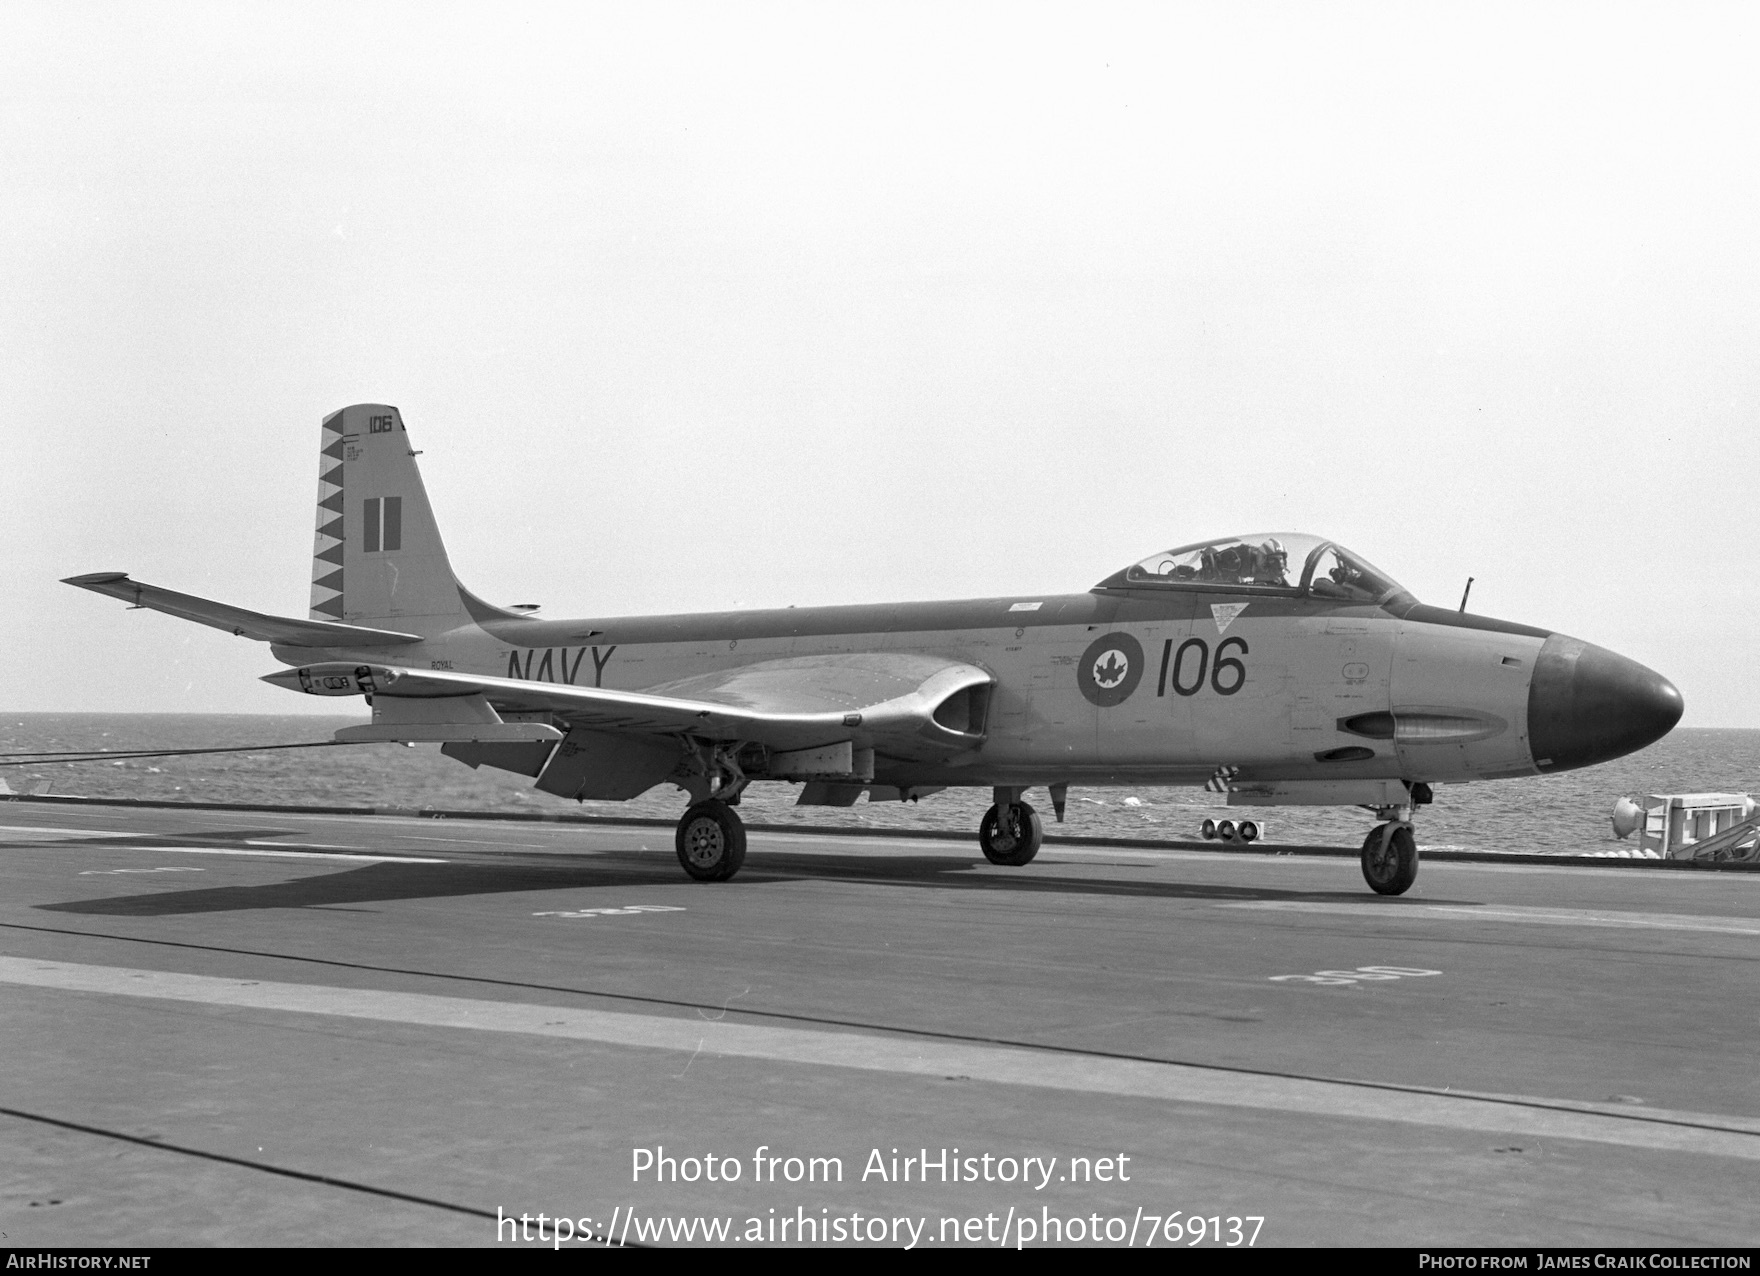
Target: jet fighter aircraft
{"x":1281,"y":669}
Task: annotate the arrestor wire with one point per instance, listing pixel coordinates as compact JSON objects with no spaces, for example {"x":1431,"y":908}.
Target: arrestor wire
{"x":87,"y":755}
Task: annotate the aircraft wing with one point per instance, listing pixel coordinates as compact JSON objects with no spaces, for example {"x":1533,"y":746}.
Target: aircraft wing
{"x":903,"y":704}
{"x":236,"y":620}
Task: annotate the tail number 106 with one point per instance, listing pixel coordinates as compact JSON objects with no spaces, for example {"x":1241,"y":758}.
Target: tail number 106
{"x":1185,"y":670}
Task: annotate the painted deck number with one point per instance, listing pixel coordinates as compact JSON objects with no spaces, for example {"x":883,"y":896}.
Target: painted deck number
{"x":1359,"y":975}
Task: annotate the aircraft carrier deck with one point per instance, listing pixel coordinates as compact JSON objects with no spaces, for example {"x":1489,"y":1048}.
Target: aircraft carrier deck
{"x":248,"y":1027}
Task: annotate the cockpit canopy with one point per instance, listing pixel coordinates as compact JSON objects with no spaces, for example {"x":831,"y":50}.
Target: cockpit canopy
{"x":1285,"y":562}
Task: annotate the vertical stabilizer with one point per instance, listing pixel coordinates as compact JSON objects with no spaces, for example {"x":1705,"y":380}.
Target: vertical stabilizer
{"x":378,"y":554}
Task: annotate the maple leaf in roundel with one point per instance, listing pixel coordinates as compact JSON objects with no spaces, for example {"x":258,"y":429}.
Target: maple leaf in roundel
{"x":1110,"y":671}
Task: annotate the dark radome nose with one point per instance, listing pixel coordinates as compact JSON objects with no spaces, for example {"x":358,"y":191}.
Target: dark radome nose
{"x":1587,"y":704}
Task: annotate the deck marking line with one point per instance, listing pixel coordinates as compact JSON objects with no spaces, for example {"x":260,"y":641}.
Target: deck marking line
{"x":179,"y":1149}
{"x":479,"y":841}
{"x":109,"y":872}
{"x":1088,"y":1074}
{"x":275,"y":855}
{"x":70,"y":834}
{"x":289,"y":855}
{"x":1512,"y":913}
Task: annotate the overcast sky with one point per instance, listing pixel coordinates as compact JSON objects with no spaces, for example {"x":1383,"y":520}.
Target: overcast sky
{"x":706,"y":306}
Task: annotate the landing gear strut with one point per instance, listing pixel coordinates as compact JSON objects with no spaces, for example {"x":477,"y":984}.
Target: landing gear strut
{"x":1390,"y":857}
{"x":711,"y":837}
{"x":1011,"y":831}
{"x":711,"y":841}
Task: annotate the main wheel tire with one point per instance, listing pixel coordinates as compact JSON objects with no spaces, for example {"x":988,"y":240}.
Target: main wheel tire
{"x":1390,"y":869}
{"x":711,"y":841}
{"x":1016,"y":844}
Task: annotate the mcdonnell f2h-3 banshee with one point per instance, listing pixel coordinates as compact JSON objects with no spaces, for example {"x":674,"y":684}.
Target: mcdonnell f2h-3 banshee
{"x":1280,"y":669}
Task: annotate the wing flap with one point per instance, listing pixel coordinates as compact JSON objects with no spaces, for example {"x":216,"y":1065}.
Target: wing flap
{"x":284,"y":630}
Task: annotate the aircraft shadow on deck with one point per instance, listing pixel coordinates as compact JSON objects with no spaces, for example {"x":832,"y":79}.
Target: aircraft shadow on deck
{"x":386,"y":882}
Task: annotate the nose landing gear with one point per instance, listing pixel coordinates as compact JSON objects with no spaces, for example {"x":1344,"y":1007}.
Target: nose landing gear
{"x":1390,"y":855}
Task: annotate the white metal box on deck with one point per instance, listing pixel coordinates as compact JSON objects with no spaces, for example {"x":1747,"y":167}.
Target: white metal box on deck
{"x":1675,"y":822}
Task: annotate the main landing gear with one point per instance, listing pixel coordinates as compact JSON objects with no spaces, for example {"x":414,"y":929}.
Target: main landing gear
{"x":711,"y":837}
{"x":711,"y":841}
{"x":1011,"y":831}
{"x":1390,"y":855}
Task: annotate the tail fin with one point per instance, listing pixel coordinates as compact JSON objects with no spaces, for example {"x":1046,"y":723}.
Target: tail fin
{"x":378,"y":554}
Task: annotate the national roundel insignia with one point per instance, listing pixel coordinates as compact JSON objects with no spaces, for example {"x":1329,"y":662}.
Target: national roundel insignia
{"x":1110,"y":669}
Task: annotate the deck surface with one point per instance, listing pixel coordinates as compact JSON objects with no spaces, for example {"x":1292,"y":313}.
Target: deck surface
{"x":236,"y":1027}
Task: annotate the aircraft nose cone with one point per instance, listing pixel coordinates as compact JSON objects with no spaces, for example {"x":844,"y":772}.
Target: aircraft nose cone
{"x":1587,"y":704}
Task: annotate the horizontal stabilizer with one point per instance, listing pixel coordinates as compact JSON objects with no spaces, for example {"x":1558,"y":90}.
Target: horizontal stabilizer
{"x":236,"y":620}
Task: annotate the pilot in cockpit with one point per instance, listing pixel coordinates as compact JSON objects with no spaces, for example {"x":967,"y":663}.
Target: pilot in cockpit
{"x":1348,"y":578}
{"x":1271,"y":564}
{"x":1265,"y":564}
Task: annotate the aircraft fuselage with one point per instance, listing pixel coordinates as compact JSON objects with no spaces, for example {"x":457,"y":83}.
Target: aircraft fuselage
{"x":1283,"y":688}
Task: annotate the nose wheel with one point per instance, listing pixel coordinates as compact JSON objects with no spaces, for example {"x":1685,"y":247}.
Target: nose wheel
{"x":711,"y":841}
{"x":1011,"y":839}
{"x":1390,"y":858}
